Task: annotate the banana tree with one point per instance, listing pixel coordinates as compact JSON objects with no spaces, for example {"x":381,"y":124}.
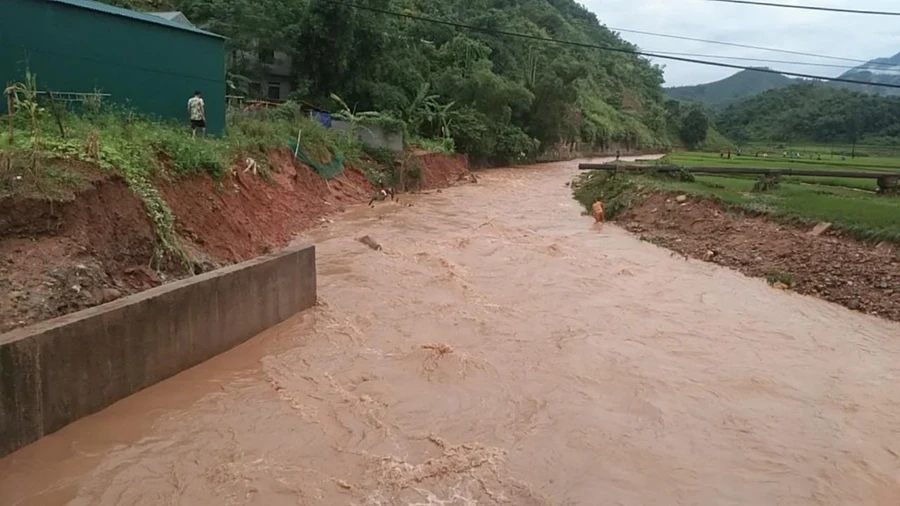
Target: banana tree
{"x":420,"y":109}
{"x":443,"y":114}
{"x":352,"y":116}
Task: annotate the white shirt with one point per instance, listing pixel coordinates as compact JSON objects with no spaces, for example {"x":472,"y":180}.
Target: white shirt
{"x":196,"y":108}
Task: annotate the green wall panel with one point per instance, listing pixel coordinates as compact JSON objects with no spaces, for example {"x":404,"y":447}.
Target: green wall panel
{"x":149,"y":67}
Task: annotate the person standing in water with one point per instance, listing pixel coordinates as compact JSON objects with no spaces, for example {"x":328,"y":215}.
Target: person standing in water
{"x":197,"y":112}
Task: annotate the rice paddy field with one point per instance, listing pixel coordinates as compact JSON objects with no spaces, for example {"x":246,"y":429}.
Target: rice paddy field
{"x":850,"y":204}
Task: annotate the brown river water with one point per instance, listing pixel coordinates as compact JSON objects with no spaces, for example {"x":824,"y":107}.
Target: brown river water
{"x":502,"y":349}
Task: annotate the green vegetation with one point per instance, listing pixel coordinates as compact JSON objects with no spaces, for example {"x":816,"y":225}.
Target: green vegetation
{"x":497,"y":99}
{"x":715,"y":142}
{"x":52,"y":152}
{"x":813,"y":114}
{"x":694,"y":127}
{"x":748,"y":83}
{"x":748,"y":159}
{"x":862,"y":215}
{"x":777,"y":160}
{"x":618,"y":193}
{"x":863,"y":155}
{"x":732,"y":89}
{"x":848,"y":203}
{"x":691,"y":125}
{"x":783,"y":278}
{"x":770,"y":112}
{"x":806,"y":200}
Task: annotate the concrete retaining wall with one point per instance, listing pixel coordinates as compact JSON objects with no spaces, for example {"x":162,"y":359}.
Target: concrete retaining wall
{"x":56,"y":372}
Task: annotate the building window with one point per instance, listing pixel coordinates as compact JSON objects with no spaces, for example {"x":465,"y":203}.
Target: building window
{"x":267,"y":56}
{"x":274,"y":92}
{"x":255,"y":90}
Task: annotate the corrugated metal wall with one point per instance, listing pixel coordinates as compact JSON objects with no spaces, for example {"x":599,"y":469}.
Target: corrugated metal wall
{"x":152,"y":68}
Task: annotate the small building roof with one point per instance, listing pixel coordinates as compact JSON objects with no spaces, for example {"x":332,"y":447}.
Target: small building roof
{"x":138,"y":16}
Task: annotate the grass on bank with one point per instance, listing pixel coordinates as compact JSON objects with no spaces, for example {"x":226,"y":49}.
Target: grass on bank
{"x":705,"y":159}
{"x":861,"y":215}
{"x":119,"y":141}
{"x":880,"y":164}
{"x":52,"y":153}
{"x":860,"y":152}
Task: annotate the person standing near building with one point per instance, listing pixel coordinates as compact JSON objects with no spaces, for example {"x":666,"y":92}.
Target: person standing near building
{"x":197,"y":112}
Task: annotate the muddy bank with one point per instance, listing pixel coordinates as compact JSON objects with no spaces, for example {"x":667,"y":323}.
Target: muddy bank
{"x":440,"y":171}
{"x":857,"y":275}
{"x":245,"y":216}
{"x":60,"y":257}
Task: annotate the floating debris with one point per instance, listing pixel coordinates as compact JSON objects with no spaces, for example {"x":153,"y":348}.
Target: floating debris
{"x":368,"y":241}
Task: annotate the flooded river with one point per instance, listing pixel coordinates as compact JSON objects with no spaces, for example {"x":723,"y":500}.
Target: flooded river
{"x":503,"y":350}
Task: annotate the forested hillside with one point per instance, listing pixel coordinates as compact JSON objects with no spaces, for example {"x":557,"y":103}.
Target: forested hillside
{"x":734,"y":88}
{"x":808,"y":112}
{"x":499,"y":98}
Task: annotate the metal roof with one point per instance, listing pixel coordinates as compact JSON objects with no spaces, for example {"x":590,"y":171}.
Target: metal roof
{"x":170,"y":15}
{"x":138,"y":16}
{"x":175,"y":16}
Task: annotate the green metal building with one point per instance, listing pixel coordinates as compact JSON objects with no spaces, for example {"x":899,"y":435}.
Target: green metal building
{"x":142,"y":61}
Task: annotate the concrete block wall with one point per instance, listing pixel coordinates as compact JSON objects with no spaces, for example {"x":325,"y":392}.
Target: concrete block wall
{"x":373,"y":136}
{"x":58,"y":371}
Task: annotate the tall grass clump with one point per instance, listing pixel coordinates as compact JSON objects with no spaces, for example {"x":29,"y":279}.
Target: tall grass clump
{"x":617,"y":192}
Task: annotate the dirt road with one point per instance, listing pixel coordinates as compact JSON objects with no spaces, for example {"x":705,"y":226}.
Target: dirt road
{"x":500,"y":349}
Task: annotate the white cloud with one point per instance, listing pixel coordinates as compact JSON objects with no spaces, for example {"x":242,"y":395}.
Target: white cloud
{"x":856,"y":36}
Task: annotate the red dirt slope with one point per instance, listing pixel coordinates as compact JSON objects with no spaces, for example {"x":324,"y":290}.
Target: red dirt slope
{"x":244,"y":216}
{"x":60,"y":257}
{"x":441,"y":171}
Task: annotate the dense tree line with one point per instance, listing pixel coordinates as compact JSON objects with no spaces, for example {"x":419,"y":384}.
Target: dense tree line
{"x":688,"y":122}
{"x":498,"y":98}
{"x":813,"y":112}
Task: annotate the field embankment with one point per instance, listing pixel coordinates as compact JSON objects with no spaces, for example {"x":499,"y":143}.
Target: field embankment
{"x":768,"y":233}
{"x":77,"y":232}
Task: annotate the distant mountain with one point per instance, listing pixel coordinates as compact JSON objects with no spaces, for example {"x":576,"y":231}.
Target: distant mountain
{"x":879,"y":70}
{"x":747,"y":83}
{"x":718,"y":94}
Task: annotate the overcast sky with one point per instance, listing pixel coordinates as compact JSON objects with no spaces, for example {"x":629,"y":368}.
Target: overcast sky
{"x":856,"y":36}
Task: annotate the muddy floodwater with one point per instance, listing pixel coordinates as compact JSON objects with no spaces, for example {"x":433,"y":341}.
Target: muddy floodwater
{"x":501,"y":349}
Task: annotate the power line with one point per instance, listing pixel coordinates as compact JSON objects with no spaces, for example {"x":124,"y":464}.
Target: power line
{"x":716,"y":56}
{"x":606,"y":48}
{"x":763,"y":60}
{"x":746,"y":46}
{"x":808,"y":7}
